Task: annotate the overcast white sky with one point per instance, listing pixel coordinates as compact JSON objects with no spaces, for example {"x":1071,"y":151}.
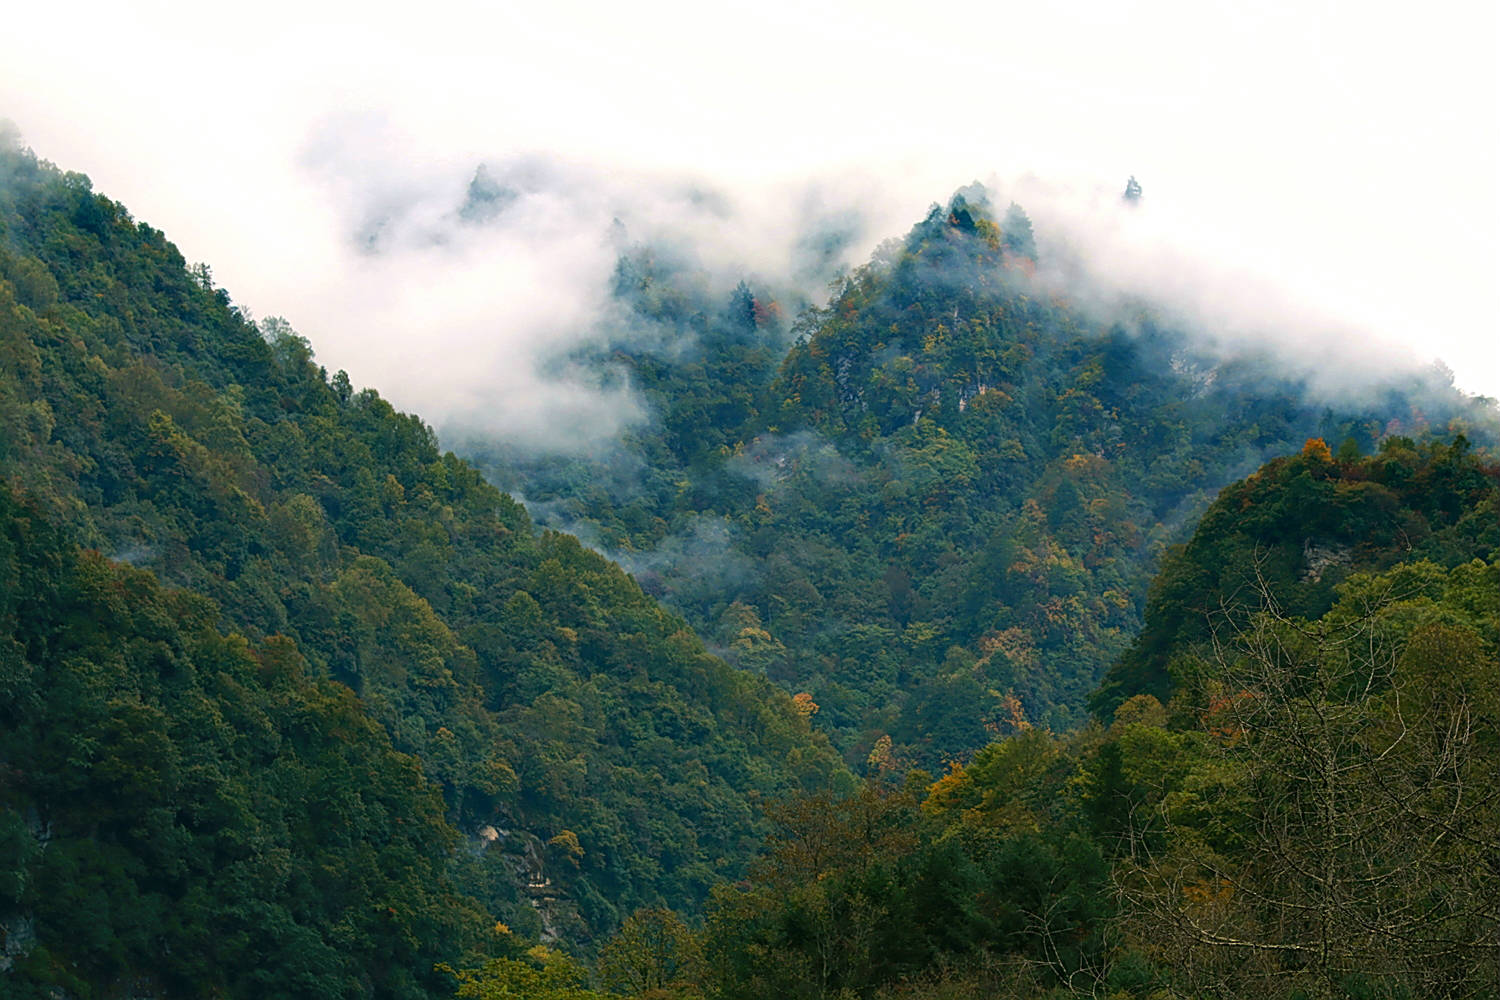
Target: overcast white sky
{"x":1339,"y":158}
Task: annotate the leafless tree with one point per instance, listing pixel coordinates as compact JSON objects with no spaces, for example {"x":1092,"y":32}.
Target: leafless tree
{"x":1341,"y":835}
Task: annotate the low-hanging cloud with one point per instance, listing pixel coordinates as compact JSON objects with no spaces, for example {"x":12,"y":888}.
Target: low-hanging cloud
{"x":1235,"y":290}
{"x":773,"y":459}
{"x":471,"y":291}
{"x":320,"y":160}
{"x":478,"y":291}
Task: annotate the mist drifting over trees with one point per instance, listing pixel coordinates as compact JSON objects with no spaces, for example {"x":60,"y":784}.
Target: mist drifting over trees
{"x":839,"y":504}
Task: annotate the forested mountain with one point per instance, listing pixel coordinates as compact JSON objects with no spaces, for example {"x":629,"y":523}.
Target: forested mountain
{"x":1293,"y":532}
{"x":1310,"y":813}
{"x":596,"y":757}
{"x":294,"y":703}
{"x":933,"y":505}
{"x":187,"y":814}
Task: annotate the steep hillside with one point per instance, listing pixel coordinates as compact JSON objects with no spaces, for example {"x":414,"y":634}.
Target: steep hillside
{"x":346,"y":706}
{"x":584,"y":732}
{"x":1313,"y":814}
{"x":185,"y":814}
{"x":1291,"y":533}
{"x":938,"y":511}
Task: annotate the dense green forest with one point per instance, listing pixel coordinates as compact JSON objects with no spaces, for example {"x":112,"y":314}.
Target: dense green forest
{"x":1304,"y":808}
{"x":935,"y":504}
{"x":195,"y":813}
{"x":295,"y":703}
{"x":573,"y":726}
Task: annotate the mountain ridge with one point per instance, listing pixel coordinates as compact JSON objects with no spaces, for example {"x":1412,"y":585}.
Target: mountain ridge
{"x":542,"y":691}
{"x":922,"y":529}
{"x":947,"y":443}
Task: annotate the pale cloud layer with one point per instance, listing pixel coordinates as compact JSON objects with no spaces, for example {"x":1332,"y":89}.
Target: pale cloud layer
{"x":1313,"y":171}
